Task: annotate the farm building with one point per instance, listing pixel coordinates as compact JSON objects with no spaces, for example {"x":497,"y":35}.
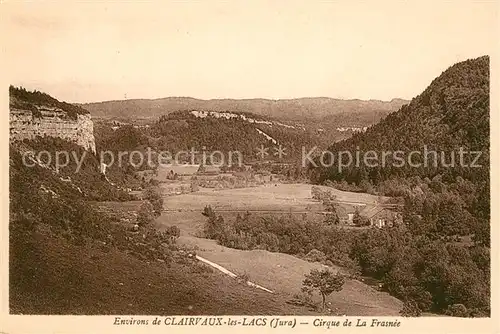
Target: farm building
{"x":178,"y":171}
{"x":380,"y":216}
{"x":176,"y":188}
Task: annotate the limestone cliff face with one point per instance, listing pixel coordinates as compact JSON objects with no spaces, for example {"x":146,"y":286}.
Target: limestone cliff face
{"x":52,"y":122}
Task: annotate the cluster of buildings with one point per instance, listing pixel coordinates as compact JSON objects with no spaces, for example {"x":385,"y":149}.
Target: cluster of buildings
{"x":180,"y":178}
{"x":352,"y":128}
{"x":379,"y":215}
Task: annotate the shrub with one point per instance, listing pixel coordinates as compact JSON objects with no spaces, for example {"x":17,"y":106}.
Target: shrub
{"x":322,"y":195}
{"x":201,"y":268}
{"x":315,"y":192}
{"x":245,"y":277}
{"x":304,"y":298}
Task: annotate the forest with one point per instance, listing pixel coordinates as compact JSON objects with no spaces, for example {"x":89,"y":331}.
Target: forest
{"x":24,"y":99}
{"x":428,"y":273}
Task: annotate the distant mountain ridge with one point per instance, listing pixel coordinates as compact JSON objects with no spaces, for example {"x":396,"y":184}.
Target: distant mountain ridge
{"x":309,"y":108}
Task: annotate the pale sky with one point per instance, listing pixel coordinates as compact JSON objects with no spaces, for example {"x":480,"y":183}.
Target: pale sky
{"x":241,"y":49}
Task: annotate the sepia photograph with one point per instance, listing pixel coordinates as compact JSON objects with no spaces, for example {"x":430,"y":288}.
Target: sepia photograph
{"x":268,"y":163}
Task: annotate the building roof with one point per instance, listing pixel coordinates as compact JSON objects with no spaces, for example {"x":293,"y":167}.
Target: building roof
{"x":371,"y":211}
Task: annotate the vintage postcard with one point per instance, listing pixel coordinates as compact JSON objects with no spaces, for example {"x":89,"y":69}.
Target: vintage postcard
{"x":287,"y":166}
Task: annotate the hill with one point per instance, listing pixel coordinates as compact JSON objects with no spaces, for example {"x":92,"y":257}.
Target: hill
{"x":444,"y":256}
{"x":302,"y":109}
{"x":452,"y":112}
{"x":228,"y":132}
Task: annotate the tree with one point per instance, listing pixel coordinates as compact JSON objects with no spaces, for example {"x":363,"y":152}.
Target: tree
{"x":315,"y":255}
{"x":154,"y":197}
{"x":315,"y":192}
{"x":214,"y":227}
{"x":324,"y":281}
{"x":332,"y":218}
{"x":174,"y":232}
{"x":194,"y":186}
{"x":145,"y":215}
{"x":359,"y":220}
{"x":208,"y":211}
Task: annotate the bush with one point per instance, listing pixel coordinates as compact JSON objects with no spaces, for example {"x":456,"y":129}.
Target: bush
{"x":304,"y":298}
{"x":201,"y":268}
{"x":245,"y":277}
{"x":322,"y":195}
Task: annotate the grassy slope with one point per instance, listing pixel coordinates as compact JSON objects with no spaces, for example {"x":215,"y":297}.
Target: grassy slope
{"x":89,"y":280}
{"x":284,"y":274}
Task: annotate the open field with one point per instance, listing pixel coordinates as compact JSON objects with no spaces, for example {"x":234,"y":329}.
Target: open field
{"x":279,"y":272}
{"x":270,"y":197}
{"x":185,"y":210}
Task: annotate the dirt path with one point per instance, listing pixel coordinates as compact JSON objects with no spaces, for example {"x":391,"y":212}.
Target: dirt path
{"x":227,"y":272}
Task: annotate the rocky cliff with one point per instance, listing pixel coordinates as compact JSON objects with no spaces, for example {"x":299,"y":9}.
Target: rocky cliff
{"x":35,"y":114}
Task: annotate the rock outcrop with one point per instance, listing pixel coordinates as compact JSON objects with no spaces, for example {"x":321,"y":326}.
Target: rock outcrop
{"x":29,"y":120}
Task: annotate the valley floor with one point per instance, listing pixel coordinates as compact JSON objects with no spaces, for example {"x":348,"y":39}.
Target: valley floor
{"x":64,"y":278}
{"x":279,"y":272}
